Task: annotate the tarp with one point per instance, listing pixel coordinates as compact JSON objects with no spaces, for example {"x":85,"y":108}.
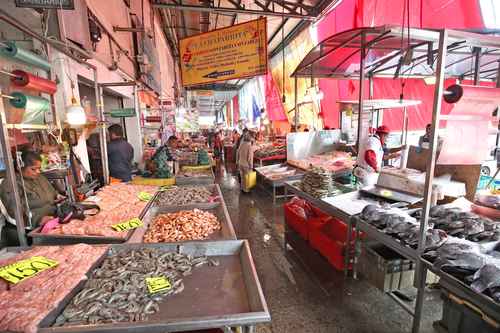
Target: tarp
{"x":274,"y":105}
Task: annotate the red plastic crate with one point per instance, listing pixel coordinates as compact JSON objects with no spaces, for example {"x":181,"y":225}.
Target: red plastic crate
{"x":331,"y":249}
{"x":337,"y":230}
{"x":295,"y":221}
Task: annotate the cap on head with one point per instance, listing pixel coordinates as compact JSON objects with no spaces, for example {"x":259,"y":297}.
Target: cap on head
{"x":383,"y":129}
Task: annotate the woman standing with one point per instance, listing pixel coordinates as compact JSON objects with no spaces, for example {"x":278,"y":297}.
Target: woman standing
{"x":244,"y":159}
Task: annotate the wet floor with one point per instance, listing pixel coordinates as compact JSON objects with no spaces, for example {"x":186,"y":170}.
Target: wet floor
{"x":312,"y":297}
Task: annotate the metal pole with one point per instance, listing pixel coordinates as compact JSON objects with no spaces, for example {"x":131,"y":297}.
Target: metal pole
{"x":361,"y":90}
{"x":477,"y":65}
{"x":421,"y":272}
{"x":498,"y":76}
{"x":137,"y":107}
{"x":11,"y":177}
{"x":102,"y":129}
{"x":296,"y":115}
{"x":231,"y":10}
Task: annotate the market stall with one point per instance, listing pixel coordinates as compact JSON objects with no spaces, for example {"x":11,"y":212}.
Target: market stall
{"x":270,"y":152}
{"x":386,"y":52}
{"x":185,"y":213}
{"x":118,"y":203}
{"x":165,"y":281}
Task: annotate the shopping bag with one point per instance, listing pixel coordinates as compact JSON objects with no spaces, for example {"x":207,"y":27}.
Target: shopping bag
{"x":250,"y":180}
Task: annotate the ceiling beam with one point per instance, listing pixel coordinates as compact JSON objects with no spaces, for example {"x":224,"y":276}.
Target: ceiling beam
{"x":232,"y":10}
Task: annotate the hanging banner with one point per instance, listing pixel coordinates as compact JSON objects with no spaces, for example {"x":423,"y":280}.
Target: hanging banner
{"x":230,"y":53}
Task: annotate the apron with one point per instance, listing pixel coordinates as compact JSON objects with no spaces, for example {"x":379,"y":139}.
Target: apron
{"x":365,"y":174}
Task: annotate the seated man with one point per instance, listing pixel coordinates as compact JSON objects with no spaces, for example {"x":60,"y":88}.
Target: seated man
{"x":38,"y":196}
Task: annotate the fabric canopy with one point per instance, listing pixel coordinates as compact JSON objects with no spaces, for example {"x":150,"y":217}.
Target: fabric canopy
{"x":466,"y":14}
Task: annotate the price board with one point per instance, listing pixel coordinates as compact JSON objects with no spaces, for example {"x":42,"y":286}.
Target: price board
{"x":144,"y":196}
{"x":24,"y":269}
{"x":128,"y":225}
{"x":158,"y":284}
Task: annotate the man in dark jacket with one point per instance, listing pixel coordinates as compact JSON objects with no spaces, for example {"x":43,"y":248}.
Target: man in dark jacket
{"x":120,"y":154}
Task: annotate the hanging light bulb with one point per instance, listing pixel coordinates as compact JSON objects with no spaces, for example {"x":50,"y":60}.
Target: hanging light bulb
{"x":75,"y":114}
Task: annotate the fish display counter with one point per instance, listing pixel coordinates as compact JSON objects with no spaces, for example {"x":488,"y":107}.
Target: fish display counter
{"x":195,"y":177}
{"x":276,"y":176}
{"x":136,"y":288}
{"x":117,"y":203}
{"x":201,"y":214}
{"x":470,"y":274}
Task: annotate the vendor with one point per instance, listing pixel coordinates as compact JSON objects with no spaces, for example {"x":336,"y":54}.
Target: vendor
{"x":424,"y":140}
{"x":120,"y":154}
{"x":371,"y":156}
{"x":39,"y":197}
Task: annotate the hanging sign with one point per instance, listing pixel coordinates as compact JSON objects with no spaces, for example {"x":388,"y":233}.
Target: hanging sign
{"x":225,"y":54}
{"x":54,"y":4}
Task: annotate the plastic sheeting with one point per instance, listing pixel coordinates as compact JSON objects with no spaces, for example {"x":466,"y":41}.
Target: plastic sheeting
{"x":253,"y":89}
{"x":467,"y":126}
{"x":274,"y":105}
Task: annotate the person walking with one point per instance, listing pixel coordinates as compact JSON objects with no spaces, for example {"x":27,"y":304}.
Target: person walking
{"x":244,"y":159}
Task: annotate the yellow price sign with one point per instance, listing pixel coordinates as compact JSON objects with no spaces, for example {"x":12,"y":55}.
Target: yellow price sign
{"x":128,"y":225}
{"x":144,"y":196}
{"x":386,"y":193}
{"x":24,"y":269}
{"x":158,"y":284}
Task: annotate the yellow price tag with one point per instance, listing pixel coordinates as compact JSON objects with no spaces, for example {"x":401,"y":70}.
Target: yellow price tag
{"x":158,"y":284}
{"x":21,"y":270}
{"x":386,"y":193}
{"x":128,"y":225}
{"x":144,"y":196}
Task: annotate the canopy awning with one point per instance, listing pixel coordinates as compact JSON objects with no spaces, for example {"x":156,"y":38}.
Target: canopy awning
{"x":389,"y":53}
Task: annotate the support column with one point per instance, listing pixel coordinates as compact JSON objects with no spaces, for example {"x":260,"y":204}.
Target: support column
{"x":11,"y":177}
{"x":421,"y":272}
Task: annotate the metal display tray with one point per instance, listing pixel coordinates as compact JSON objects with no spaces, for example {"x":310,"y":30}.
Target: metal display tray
{"x":54,"y":239}
{"x":200,"y":180}
{"x":214,"y":188}
{"x":219,"y":210}
{"x":485,"y":304}
{"x":299,"y":174}
{"x":229,"y":294}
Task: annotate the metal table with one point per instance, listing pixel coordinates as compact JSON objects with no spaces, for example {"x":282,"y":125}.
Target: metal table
{"x":336,"y":211}
{"x":227,"y":295}
{"x":276,"y":183}
{"x":373,"y":233}
{"x":487,"y":306}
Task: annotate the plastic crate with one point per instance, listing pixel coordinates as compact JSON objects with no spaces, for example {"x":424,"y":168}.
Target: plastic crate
{"x":330,"y":248}
{"x":461,"y":317}
{"x":337,"y":229}
{"x":295,"y":221}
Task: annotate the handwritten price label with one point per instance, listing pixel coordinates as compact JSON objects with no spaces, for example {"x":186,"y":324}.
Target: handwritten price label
{"x":158,"y":284}
{"x":25,"y":269}
{"x":128,"y":225}
{"x":144,"y":196}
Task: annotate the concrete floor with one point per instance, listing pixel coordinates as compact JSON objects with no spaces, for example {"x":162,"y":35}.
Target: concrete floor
{"x":310,"y":298}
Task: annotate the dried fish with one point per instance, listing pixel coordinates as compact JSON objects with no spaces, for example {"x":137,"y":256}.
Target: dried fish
{"x":317,"y":182}
{"x":108,"y":298}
